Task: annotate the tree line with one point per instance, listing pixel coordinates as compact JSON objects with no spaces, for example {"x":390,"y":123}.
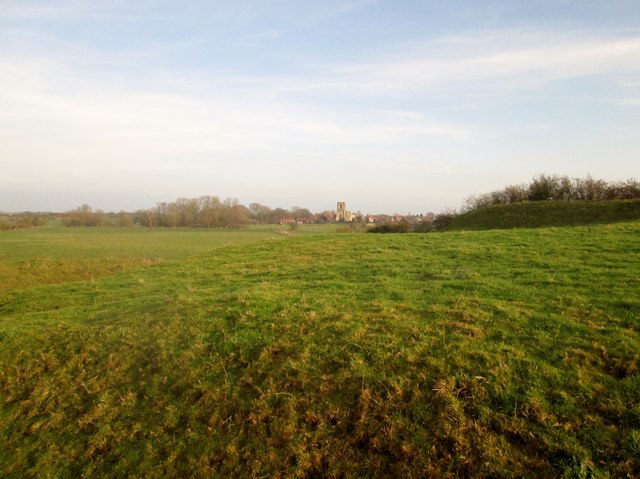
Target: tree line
{"x":558,"y":188}
{"x":202,"y":212}
{"x":16,"y":221}
{"x":212,"y":212}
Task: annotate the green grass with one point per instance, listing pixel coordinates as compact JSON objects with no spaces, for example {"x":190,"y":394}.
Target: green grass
{"x":537,"y":214}
{"x":30,"y":257}
{"x":483,"y":354}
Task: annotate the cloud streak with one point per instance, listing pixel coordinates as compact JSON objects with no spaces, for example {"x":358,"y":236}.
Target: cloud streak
{"x":493,"y":62}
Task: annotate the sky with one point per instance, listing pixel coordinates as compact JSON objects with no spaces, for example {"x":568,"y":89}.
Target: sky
{"x":404,"y":106}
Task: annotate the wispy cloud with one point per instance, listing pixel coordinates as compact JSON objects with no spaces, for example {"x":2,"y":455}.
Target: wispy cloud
{"x":110,"y":125}
{"x":74,"y":10}
{"x":513,"y":60}
{"x":257,"y":39}
{"x":266,"y":35}
{"x":191,"y":119}
{"x":332,"y":10}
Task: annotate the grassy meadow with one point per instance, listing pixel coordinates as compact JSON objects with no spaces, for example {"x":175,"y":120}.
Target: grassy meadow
{"x":38,"y":256}
{"x":254,"y":353}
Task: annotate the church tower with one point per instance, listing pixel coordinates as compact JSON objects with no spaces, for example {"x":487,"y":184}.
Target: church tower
{"x":341,"y":212}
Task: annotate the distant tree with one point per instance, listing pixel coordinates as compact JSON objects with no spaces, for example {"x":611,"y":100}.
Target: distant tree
{"x":237,"y":216}
{"x":260,"y":213}
{"x":623,"y":190}
{"x":203,"y":212}
{"x":544,"y":187}
{"x":144,"y":218}
{"x":425,"y":226}
{"x":22,"y":220}
{"x":566,"y":190}
{"x":210,"y":211}
{"x":589,"y":189}
{"x":554,"y":187}
{"x":279,"y":215}
{"x":83,"y":216}
{"x":515,"y":193}
{"x":187,"y":210}
{"x":403,"y":226}
{"x":125,"y":219}
{"x":443,"y":220}
{"x":301,"y":213}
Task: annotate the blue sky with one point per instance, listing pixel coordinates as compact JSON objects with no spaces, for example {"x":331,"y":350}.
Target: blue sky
{"x":403,"y":106}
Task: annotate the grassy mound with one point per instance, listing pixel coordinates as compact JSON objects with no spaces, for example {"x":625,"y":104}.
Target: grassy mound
{"x":547,"y":213}
{"x":476,"y":354}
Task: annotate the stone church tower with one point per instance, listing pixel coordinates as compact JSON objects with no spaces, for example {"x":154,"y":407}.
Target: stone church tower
{"x":341,"y":212}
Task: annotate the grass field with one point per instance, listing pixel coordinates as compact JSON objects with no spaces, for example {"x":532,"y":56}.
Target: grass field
{"x":39,"y":256}
{"x":148,"y":353}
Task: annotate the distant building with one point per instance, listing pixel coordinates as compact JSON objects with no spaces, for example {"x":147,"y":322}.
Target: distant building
{"x":342,"y":215}
{"x":341,"y":211}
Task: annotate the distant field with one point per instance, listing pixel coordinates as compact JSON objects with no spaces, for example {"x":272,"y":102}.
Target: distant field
{"x":35,"y":256}
{"x":233,"y":354}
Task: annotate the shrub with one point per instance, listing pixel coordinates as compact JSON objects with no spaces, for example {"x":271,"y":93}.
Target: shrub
{"x":558,"y":188}
{"x":401,"y":227}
